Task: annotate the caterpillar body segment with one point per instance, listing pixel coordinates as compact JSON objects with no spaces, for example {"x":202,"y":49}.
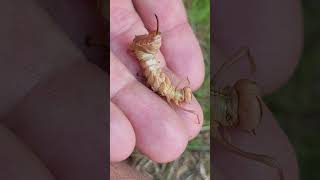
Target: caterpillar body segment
{"x":145,"y":47}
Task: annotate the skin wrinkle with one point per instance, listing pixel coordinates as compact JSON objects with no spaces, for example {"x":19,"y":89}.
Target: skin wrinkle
{"x":133,"y":20}
{"x":128,"y":85}
{"x":119,"y":73}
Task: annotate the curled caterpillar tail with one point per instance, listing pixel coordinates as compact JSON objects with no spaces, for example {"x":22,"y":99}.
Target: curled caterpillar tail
{"x":145,"y":47}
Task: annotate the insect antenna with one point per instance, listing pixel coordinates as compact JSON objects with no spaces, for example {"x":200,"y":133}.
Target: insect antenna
{"x":192,"y":112}
{"x":157,"y":32}
{"x":235,"y":58}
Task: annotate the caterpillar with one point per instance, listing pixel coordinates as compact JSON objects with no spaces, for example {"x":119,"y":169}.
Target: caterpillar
{"x":145,"y":47}
{"x":239,"y":106}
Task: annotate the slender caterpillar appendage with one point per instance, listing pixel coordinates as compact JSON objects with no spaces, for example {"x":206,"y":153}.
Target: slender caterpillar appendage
{"x":145,"y":48}
{"x":244,"y":51}
{"x":187,"y":110}
{"x":193,"y":112}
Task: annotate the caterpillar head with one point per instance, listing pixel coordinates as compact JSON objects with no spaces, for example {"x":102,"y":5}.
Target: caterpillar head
{"x":149,"y":43}
{"x":154,"y":40}
{"x":187,"y":94}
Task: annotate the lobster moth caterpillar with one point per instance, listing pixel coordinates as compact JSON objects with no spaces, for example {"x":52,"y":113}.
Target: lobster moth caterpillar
{"x":145,"y":47}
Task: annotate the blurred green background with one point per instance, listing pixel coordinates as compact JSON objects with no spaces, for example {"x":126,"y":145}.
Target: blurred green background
{"x":297,"y":104}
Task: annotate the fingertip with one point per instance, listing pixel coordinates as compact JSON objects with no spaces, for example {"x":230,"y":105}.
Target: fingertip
{"x":192,"y":116}
{"x":183,"y":54}
{"x":122,"y":137}
{"x":170,"y":148}
{"x":159,"y":131}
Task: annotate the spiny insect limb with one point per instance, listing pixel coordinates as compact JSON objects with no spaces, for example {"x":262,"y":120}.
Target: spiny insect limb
{"x":193,"y":112}
{"x":260,"y":106}
{"x":226,"y":135}
{"x":244,"y":51}
{"x":181,"y":81}
{"x":184,"y":109}
{"x":157,"y":32}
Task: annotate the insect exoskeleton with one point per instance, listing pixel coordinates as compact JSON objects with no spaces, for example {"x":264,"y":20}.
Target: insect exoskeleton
{"x":145,"y":47}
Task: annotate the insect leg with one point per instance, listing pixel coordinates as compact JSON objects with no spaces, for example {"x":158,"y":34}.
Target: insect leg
{"x":226,"y":135}
{"x":244,"y":51}
{"x":181,"y":81}
{"x":193,"y":112}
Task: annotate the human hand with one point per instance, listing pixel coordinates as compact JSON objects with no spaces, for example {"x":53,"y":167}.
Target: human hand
{"x":139,"y":117}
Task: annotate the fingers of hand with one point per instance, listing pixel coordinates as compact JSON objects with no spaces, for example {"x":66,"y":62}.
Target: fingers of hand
{"x":122,"y":137}
{"x":155,"y":124}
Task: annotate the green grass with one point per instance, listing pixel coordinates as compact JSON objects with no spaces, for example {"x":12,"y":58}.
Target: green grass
{"x":297,"y":105}
{"x":199,"y":18}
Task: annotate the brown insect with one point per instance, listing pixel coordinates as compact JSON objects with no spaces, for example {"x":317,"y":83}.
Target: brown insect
{"x":145,"y":47}
{"x":239,"y":106}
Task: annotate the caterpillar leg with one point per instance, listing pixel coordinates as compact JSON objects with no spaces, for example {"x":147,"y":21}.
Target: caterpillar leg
{"x":193,"y":112}
{"x":243,"y":51}
{"x":184,"y":109}
{"x":226,"y":135}
{"x":184,"y":79}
